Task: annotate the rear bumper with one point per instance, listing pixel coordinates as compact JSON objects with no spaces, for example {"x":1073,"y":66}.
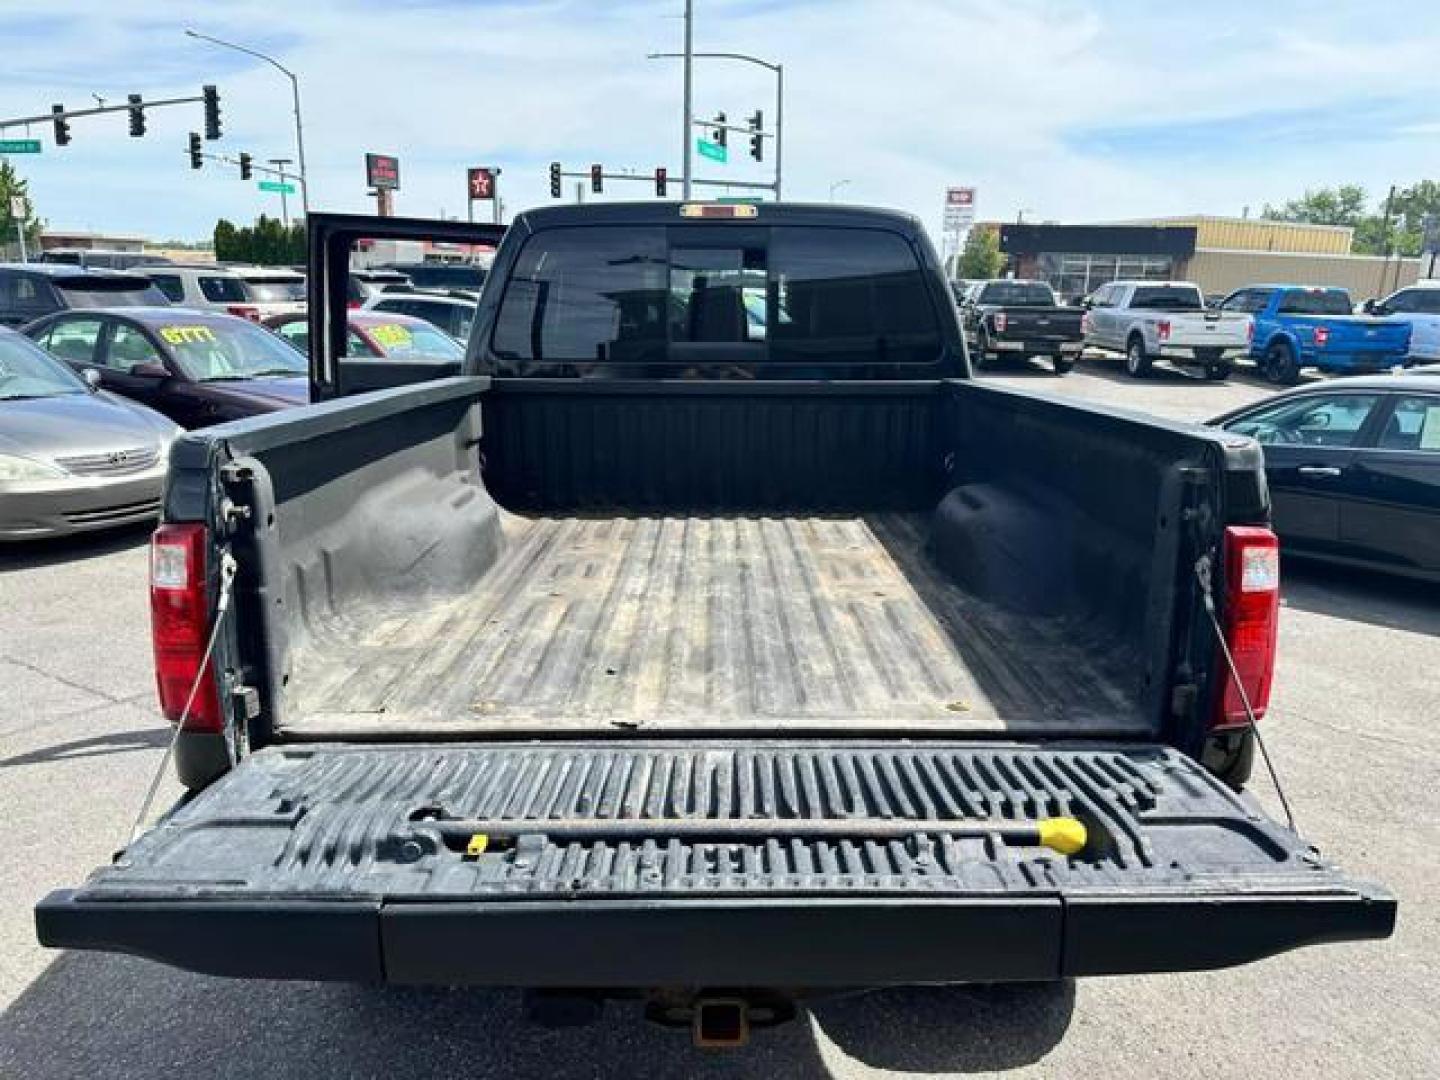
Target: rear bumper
{"x":1352,"y":361}
{"x":1172,"y":351}
{"x":1037,"y":348}
{"x":790,"y":942}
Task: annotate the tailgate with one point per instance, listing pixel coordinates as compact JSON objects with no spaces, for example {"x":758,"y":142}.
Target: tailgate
{"x":710,"y":864}
{"x":1360,"y":336}
{"x":1213,"y":328}
{"x":1040,"y":323}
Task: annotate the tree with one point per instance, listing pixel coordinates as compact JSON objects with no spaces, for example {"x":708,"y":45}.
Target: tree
{"x":981,"y":258}
{"x":12,"y":184}
{"x":1343,"y":205}
{"x":266,"y":243}
{"x":226,"y":240}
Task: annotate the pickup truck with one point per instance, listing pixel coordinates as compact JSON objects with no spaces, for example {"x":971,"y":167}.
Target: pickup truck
{"x":1020,"y":319}
{"x":652,"y":655}
{"x":1147,"y":320}
{"x":1298,"y":327}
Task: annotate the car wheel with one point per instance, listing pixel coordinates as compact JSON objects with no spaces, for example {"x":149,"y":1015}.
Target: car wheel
{"x":1281,"y":364}
{"x":1062,"y":365}
{"x":1217,"y":371}
{"x":1137,"y":363}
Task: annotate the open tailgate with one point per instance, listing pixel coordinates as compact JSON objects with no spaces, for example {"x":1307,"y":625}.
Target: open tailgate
{"x":710,"y":864}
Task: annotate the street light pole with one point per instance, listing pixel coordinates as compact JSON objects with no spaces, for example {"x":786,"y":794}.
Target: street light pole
{"x":778,"y":69}
{"x":295,"y":95}
{"x":687,"y":135}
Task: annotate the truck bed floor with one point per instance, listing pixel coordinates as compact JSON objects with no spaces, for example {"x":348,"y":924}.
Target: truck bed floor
{"x":717,"y":624}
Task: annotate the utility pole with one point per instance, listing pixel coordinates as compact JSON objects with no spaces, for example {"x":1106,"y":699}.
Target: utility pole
{"x":689,"y":118}
{"x":280,"y":163}
{"x":1385,"y":241}
{"x":17,"y":211}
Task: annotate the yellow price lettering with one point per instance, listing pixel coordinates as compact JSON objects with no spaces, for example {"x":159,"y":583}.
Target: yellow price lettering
{"x":390,"y":335}
{"x":183,"y":335}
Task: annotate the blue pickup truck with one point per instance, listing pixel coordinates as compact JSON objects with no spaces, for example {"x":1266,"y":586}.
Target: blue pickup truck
{"x":1297,"y":327}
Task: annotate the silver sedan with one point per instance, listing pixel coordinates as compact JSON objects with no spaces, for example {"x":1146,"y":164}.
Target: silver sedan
{"x":72,"y":458}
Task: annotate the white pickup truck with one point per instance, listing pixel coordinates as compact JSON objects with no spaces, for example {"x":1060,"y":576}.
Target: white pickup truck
{"x":1147,"y":320}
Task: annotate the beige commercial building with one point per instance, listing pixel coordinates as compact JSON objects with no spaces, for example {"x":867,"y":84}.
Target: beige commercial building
{"x":1220,"y":254}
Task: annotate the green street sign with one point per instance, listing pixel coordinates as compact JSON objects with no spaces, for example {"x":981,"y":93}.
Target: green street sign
{"x":277,"y":187}
{"x":19,"y":146}
{"x":712,"y":150}
{"x":740,"y":199}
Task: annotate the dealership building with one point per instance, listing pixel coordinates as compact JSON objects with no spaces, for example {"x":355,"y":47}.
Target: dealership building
{"x":1220,"y":254}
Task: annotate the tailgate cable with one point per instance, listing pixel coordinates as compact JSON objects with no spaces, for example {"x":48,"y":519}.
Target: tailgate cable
{"x":228,"y":567}
{"x":1203,"y":575}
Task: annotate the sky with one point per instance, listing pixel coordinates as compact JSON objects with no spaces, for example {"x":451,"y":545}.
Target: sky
{"x":1067,"y":110}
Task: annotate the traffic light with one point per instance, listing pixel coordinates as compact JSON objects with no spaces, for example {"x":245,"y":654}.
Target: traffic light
{"x":195,"y":160}
{"x":660,"y":177}
{"x":555,"y":179}
{"x":62,"y":126}
{"x":137,"y":117}
{"x":244,"y":166}
{"x":212,"y":112}
{"x":757,"y":140}
{"x":597,"y":179}
{"x":721,"y":134}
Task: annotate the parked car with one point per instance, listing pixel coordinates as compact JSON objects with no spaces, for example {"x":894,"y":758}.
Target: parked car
{"x":102,"y":259}
{"x":624,"y":685}
{"x":213,"y":288}
{"x":1020,"y":319}
{"x":1298,"y":327}
{"x":196,"y":367}
{"x":1148,"y":320}
{"x":1353,"y":467}
{"x":31,"y":290}
{"x":378,"y":334}
{"x":72,"y":458}
{"x":270,"y":290}
{"x":433,"y":275}
{"x":1419,"y":306}
{"x":449,"y":313}
{"x":367,"y":283}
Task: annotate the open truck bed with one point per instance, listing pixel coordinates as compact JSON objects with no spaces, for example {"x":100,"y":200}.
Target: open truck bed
{"x":737,"y":623}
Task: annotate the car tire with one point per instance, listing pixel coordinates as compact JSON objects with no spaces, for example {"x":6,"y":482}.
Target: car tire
{"x":1217,"y":371}
{"x":1062,"y":365}
{"x":1282,"y":366}
{"x":1137,"y":361}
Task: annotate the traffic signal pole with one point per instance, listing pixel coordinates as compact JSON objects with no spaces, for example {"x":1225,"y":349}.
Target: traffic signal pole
{"x":689,"y":117}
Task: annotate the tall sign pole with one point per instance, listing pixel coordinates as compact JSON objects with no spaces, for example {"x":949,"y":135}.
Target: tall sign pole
{"x":685,"y":137}
{"x":18,"y":212}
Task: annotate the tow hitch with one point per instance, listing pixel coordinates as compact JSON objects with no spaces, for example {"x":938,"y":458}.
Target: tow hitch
{"x":720,"y":1021}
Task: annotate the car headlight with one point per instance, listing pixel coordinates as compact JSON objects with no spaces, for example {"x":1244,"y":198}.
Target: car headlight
{"x":19,"y":468}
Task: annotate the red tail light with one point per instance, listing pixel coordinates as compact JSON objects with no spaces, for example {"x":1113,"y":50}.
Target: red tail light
{"x":180,"y":624}
{"x":1322,"y":336}
{"x":1250,"y":619}
{"x":1249,"y":330}
{"x":1163,"y":329}
{"x":245,"y":311}
{"x":1085,"y":323}
{"x":1000,"y":321}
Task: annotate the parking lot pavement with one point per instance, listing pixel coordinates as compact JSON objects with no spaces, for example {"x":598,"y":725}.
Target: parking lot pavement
{"x":1353,"y":730}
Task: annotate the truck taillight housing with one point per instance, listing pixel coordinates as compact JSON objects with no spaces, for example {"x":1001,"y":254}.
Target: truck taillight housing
{"x":1085,"y":323}
{"x":1163,"y":329}
{"x":1249,"y":330}
{"x":1249,"y":621}
{"x":245,"y":311}
{"x":1322,"y":336}
{"x":180,"y":625}
{"x":999,"y":319}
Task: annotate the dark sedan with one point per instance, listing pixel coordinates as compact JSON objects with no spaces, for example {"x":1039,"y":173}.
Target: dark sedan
{"x":196,"y":367}
{"x":1354,"y":470}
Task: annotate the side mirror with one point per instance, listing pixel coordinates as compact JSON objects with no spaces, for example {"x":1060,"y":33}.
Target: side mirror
{"x":91,"y":377}
{"x":1087,"y":302}
{"x":1373,"y":307}
{"x":150,"y":371}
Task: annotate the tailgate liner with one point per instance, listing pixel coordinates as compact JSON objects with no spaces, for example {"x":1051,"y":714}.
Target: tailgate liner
{"x":309,"y":862}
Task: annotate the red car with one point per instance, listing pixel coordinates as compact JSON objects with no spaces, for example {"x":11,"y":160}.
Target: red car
{"x":378,"y":334}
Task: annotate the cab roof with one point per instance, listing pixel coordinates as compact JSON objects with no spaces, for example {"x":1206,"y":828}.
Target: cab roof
{"x":766,"y":213}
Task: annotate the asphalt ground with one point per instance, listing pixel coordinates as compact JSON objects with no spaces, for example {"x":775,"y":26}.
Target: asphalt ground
{"x":1353,"y":729}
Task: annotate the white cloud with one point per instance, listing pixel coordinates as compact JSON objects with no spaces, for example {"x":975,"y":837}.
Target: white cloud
{"x":901,"y":98}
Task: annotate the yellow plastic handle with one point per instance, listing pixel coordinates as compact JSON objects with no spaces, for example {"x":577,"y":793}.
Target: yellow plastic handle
{"x":1063,"y":834}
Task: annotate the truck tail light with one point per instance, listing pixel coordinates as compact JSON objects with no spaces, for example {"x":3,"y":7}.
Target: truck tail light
{"x":1249,"y":331}
{"x":245,"y":311}
{"x":1163,"y":329}
{"x":180,"y":625}
{"x":1322,"y":336}
{"x":1000,"y":321}
{"x":1249,"y":622}
{"x":1085,"y":323}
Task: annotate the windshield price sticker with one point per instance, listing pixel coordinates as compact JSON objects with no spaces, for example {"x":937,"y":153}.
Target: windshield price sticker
{"x":390,"y":335}
{"x":184,"y":335}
